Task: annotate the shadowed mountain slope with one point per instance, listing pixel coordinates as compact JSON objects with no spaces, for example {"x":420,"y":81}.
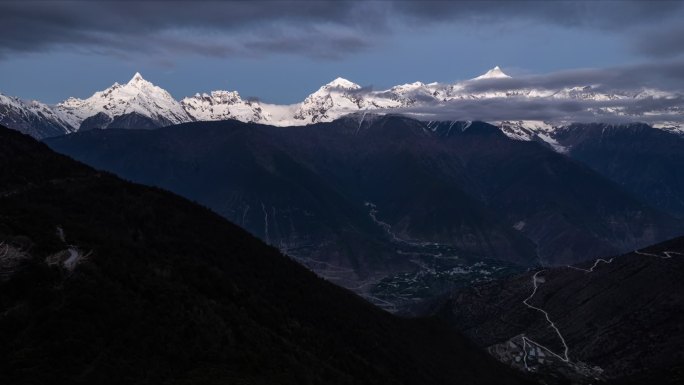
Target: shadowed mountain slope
{"x":613,"y":318}
{"x":457,"y":183}
{"x":105,"y":281}
{"x":645,"y":161}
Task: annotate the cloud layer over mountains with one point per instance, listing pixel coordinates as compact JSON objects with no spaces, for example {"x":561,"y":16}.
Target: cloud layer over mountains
{"x":647,"y":110}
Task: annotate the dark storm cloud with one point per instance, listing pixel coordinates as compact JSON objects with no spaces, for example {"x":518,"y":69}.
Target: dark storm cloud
{"x":665,"y":41}
{"x":332,"y":47}
{"x":212,"y":28}
{"x":612,"y":14}
{"x":326,"y":29}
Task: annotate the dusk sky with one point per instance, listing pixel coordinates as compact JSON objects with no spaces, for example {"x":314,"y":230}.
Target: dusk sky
{"x":280,"y":51}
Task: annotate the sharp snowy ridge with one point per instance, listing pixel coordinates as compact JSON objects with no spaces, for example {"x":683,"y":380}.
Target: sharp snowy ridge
{"x":138,"y":96}
{"x":222,"y":105}
{"x":32,"y":117}
{"x":141,"y":104}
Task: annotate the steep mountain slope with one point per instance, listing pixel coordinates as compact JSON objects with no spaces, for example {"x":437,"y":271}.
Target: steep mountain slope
{"x":571,"y":212}
{"x":613,"y":318}
{"x":384,"y":181}
{"x":104,"y":281}
{"x":296,"y":188}
{"x":33,"y":118}
{"x":645,"y":161}
{"x":530,"y":130}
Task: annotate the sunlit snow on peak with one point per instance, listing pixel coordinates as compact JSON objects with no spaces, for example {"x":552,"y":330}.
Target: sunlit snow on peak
{"x":494,"y":73}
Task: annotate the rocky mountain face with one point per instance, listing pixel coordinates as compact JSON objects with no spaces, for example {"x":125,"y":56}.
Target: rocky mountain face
{"x":224,"y":105}
{"x":140,"y":104}
{"x":33,"y":118}
{"x":104,"y":281}
{"x":332,"y":100}
{"x":616,"y":318}
{"x":382,"y":203}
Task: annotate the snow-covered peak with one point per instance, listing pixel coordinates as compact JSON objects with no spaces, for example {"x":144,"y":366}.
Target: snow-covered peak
{"x":136,"y":78}
{"x":342,"y":83}
{"x":330,"y":101}
{"x":138,"y":97}
{"x":494,"y":73}
{"x":138,"y":84}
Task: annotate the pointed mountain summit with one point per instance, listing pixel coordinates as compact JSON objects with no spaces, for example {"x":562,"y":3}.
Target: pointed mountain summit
{"x":136,"y":104}
{"x":138,"y":77}
{"x":340,"y":82}
{"x":329,"y":102}
{"x":494,"y":73}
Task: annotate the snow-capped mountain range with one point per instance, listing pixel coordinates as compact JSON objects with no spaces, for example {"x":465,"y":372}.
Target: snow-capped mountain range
{"x":141,"y":104}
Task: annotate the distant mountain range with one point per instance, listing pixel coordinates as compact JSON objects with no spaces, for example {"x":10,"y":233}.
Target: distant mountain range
{"x":104,"y":281}
{"x":141,"y":104}
{"x":380,"y":202}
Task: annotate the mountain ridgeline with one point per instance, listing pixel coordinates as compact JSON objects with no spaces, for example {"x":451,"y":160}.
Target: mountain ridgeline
{"x":345,"y":197}
{"x":141,"y":104}
{"x":104,"y":281}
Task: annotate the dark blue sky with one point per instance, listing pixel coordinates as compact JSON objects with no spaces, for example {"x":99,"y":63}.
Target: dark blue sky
{"x":281,"y":51}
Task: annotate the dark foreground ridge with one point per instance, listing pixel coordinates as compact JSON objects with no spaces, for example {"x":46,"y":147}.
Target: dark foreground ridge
{"x":109,"y":282}
{"x":616,"y":318}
